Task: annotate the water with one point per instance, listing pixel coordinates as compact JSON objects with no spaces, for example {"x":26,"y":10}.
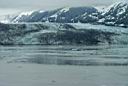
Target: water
{"x":109,"y":55}
{"x":64,"y":65}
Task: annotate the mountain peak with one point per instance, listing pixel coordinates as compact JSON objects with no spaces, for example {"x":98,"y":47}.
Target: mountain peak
{"x":61,"y":15}
{"x":115,"y":6}
{"x":116,"y":14}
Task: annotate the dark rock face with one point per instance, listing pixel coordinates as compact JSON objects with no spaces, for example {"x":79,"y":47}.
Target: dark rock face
{"x":114,"y":15}
{"x":62,"y":15}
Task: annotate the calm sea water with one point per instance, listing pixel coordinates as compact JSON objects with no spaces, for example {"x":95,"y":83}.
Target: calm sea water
{"x":108,"y":55}
{"x":64,"y":65}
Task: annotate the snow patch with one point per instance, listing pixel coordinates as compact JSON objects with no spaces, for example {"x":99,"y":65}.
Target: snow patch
{"x":65,"y":9}
{"x":23,"y":14}
{"x":41,"y":11}
{"x":114,"y":6}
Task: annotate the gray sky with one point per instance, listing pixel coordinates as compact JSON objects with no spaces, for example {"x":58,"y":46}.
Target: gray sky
{"x":13,"y":6}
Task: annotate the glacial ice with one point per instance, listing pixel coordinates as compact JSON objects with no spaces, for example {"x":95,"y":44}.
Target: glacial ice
{"x":57,"y":33}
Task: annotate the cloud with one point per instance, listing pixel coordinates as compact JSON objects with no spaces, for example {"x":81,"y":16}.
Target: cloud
{"x":51,"y":3}
{"x":13,"y":6}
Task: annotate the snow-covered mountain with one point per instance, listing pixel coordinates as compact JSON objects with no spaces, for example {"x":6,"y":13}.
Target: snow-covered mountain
{"x":116,"y":14}
{"x":61,"y":15}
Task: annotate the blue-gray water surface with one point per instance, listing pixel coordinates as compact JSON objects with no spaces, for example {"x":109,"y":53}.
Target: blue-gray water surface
{"x":64,"y":65}
{"x":100,"y":55}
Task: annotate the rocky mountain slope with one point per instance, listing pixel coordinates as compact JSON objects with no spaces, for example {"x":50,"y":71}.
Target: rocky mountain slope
{"x":61,"y":15}
{"x":114,"y":15}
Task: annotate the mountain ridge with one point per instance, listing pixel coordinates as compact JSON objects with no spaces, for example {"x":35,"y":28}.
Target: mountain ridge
{"x":115,"y":15}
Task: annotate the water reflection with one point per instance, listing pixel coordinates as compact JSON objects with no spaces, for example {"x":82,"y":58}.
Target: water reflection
{"x":114,"y":55}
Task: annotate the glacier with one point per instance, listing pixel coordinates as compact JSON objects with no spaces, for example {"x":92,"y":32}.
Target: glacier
{"x":61,"y":34}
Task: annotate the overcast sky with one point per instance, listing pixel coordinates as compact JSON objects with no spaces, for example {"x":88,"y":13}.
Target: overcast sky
{"x":13,"y":6}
